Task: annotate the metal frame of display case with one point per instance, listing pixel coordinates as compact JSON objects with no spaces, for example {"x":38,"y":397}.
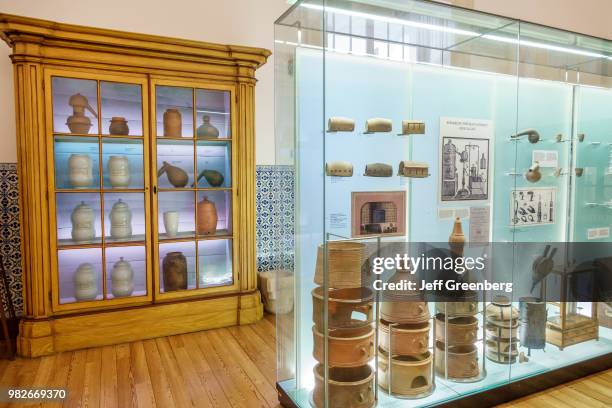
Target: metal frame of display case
{"x":42,"y":49}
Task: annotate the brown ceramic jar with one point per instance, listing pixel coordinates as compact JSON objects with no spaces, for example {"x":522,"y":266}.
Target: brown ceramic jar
{"x":174,"y":269}
{"x":118,"y":126}
{"x":173,"y":123}
{"x":207,"y":217}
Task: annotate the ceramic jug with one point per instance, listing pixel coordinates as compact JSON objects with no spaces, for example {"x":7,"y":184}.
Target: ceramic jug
{"x":173,"y":124}
{"x":213,"y":177}
{"x":119,"y":171}
{"x":82,"y":219}
{"x":85,"y":282}
{"x":122,"y":278}
{"x":121,"y":220}
{"x":174,"y":269}
{"x":80,"y":170}
{"x":206,"y":129}
{"x":171,"y":221}
{"x":533,"y":175}
{"x":118,"y":126}
{"x":176,"y":176}
{"x":206,"y":217}
{"x":78,"y":122}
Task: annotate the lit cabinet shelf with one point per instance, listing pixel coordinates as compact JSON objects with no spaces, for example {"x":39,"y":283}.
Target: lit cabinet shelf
{"x":132,"y":221}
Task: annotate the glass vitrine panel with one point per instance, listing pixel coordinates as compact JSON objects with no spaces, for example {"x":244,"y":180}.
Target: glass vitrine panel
{"x":121,"y":108}
{"x":213,"y":114}
{"x":75,"y":105}
{"x":99,"y":182}
{"x":194,"y":177}
{"x":174,"y":111}
{"x":215,"y":262}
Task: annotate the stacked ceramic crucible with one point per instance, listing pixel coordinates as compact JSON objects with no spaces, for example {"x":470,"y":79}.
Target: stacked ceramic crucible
{"x":403,"y":334}
{"x":502,"y":331}
{"x":350,"y":333}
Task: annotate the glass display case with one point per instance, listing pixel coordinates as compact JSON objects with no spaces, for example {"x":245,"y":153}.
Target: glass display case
{"x":424,"y":129}
{"x":137,"y":184}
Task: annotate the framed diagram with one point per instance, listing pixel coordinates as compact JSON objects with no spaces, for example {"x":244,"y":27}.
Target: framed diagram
{"x":533,"y":206}
{"x":378,"y":213}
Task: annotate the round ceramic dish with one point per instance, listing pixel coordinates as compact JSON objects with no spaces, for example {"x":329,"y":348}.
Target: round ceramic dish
{"x":348,"y":387}
{"x":411,"y":376}
{"x":345,"y":263}
{"x":462,"y":362}
{"x":460,"y":330}
{"x":466,"y":308}
{"x":406,"y":339}
{"x":350,"y":307}
{"x":346,"y":347}
{"x":404,"y":312}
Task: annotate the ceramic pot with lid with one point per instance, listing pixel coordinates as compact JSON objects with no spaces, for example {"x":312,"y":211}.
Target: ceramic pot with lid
{"x":118,"y":126}
{"x":122,"y":278}
{"x":121,"y":220}
{"x":82,"y":219}
{"x":119,"y":171}
{"x":85,"y":282}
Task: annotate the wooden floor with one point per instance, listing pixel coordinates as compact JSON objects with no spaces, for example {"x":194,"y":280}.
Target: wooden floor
{"x":231,"y":367}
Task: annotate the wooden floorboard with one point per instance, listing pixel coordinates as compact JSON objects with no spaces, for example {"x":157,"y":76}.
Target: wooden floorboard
{"x":223,"y":368}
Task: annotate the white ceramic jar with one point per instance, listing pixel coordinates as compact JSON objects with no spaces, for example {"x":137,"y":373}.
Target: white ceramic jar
{"x":85,"y":282}
{"x":80,"y":173}
{"x":82,"y":219}
{"x":122,"y":278}
{"x":121,"y":220}
{"x":119,"y":171}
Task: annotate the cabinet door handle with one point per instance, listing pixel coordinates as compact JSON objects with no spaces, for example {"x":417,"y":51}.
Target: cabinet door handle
{"x":154,"y":189}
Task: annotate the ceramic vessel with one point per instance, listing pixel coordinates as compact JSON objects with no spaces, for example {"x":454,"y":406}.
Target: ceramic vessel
{"x":82,"y":219}
{"x":173,"y":123}
{"x":121,"y":220}
{"x":378,"y":170}
{"x":213,"y":177}
{"x":85,"y":282}
{"x":340,"y":124}
{"x":174,"y":270}
{"x":500,"y":351}
{"x":347,"y":387}
{"x":411,"y":376}
{"x":462,"y":361}
{"x":206,"y":129}
{"x":119,"y":171}
{"x":501,"y":309}
{"x":122,"y":278}
{"x":460,"y":330}
{"x":206,"y":217}
{"x":350,"y":307}
{"x":413,"y":169}
{"x":533,"y":174}
{"x":346,"y":264}
{"x":339,"y":169}
{"x":118,"y":126}
{"x":412,"y":127}
{"x":346,"y":347}
{"x":78,"y":122}
{"x":376,"y":125}
{"x":403,"y":339}
{"x":171,"y":223}
{"x":456,"y":240}
{"x":176,"y":176}
{"x":80,"y":173}
{"x":407,"y":312}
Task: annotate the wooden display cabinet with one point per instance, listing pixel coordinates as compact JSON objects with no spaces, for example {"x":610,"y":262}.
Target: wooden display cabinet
{"x":93,"y":240}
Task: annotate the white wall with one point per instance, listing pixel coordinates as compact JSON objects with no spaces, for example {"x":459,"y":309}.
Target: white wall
{"x":246,"y":22}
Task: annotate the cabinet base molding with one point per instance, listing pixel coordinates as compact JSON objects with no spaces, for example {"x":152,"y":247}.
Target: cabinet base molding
{"x":63,"y":333}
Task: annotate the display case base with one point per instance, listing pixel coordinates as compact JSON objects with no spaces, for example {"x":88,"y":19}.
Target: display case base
{"x":504,"y":393}
{"x":62,"y":333}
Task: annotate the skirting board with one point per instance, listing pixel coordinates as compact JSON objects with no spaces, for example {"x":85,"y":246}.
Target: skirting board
{"x":511,"y":391}
{"x":43,"y":337}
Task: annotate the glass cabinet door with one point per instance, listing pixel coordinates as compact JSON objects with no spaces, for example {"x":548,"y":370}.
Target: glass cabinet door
{"x":99,"y":189}
{"x":194,"y":189}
